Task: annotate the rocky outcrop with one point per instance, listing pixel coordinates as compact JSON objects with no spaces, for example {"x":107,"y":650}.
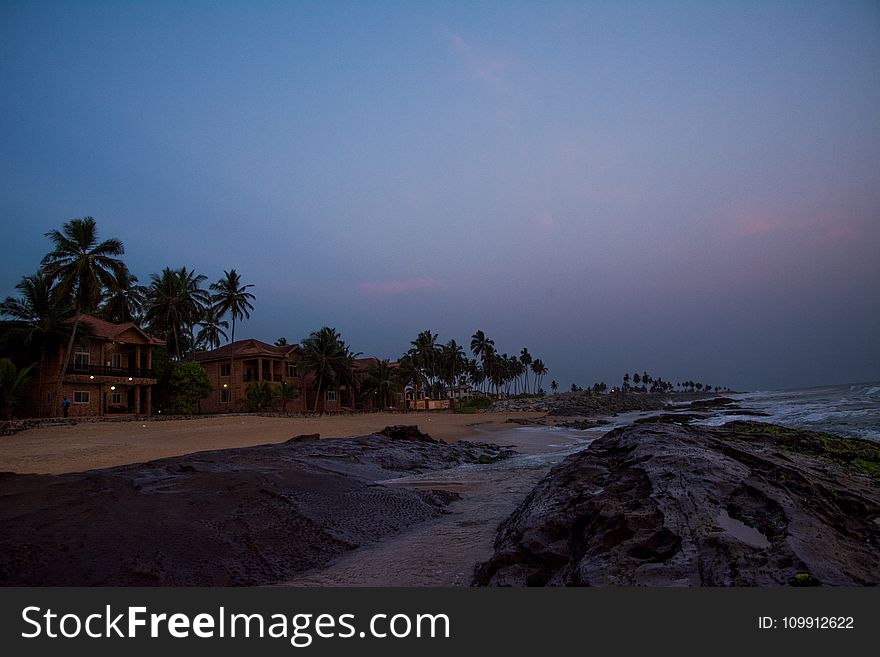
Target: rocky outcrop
{"x":245,"y":516}
{"x":585,"y":403}
{"x":746,"y":504}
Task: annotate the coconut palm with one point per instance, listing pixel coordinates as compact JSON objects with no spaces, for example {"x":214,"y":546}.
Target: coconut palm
{"x":526,"y":359}
{"x":379,"y":379}
{"x":12,"y":386}
{"x":82,"y":268}
{"x":452,"y":363}
{"x":175,"y":302}
{"x":425,"y":345}
{"x":539,"y":370}
{"x":211,"y":330}
{"x":410,"y":372}
{"x":230,"y":296}
{"x":39,"y":319}
{"x":287,"y":391}
{"x":124,"y":299}
{"x":554,"y":386}
{"x":327,"y":357}
{"x":483,"y":348}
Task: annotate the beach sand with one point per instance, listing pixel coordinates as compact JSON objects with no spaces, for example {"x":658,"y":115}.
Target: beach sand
{"x":93,"y":445}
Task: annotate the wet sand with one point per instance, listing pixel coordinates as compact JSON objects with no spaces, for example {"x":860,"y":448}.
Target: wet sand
{"x":444,"y":551}
{"x":93,"y":445}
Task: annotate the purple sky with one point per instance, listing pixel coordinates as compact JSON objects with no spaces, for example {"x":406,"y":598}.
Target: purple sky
{"x":687,"y":188}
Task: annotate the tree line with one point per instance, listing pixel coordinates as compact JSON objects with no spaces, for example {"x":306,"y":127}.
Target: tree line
{"x":85,"y":275}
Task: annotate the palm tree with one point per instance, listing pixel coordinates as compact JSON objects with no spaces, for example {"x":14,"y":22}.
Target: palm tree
{"x":425,"y":345}
{"x":526,"y":359}
{"x":483,"y":348}
{"x":124,"y":299}
{"x":326,"y":356}
{"x":554,"y":386}
{"x":12,"y":386}
{"x":287,"y":392}
{"x":175,"y":302}
{"x":452,"y":362}
{"x":539,"y":370}
{"x":82,"y":268}
{"x":411,"y":372}
{"x":39,"y":319}
{"x":230,"y":296}
{"x":260,"y":395}
{"x":379,"y":379}
{"x":211,"y":330}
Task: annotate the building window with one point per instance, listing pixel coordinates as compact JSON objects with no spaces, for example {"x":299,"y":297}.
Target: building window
{"x":225,"y":396}
{"x":81,"y":359}
{"x":115,"y":397}
{"x":330,"y":395}
{"x":80,"y":396}
{"x":292,"y":372}
{"x":116,"y":361}
{"x":225,"y":369}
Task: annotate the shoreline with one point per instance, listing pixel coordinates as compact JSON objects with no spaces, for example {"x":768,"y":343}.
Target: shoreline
{"x":64,"y":449}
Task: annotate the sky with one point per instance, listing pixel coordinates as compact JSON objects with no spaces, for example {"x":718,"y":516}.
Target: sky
{"x":687,"y":188}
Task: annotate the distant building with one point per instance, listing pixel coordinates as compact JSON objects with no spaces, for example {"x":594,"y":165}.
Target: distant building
{"x":110,"y":371}
{"x":233,"y":367}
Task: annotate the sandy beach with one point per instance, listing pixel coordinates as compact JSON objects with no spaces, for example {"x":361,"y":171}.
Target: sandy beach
{"x":93,"y":445}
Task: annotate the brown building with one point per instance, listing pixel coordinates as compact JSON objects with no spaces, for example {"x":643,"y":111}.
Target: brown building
{"x":233,"y":367}
{"x":109,"y":371}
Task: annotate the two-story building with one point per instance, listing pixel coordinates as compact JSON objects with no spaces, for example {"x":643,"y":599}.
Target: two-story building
{"x":233,"y":367}
{"x":110,"y":371}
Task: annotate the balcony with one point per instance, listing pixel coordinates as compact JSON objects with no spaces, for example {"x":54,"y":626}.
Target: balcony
{"x":102,"y":370}
{"x":248,"y":378}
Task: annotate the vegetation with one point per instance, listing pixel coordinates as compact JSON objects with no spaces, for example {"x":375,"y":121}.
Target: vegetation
{"x":644,"y":382}
{"x":260,"y":395}
{"x":286,"y":393}
{"x":474,"y":405}
{"x":232,"y":296}
{"x":329,"y":359}
{"x":82,"y":268}
{"x":189,"y":384}
{"x":12,"y":385}
{"x":860,"y":455}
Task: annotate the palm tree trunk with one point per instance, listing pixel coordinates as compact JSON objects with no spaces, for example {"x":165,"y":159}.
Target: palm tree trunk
{"x":318,"y":391}
{"x":42,"y":368}
{"x":63,"y":369}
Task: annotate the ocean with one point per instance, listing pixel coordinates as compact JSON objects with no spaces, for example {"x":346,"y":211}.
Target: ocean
{"x":851,"y":410}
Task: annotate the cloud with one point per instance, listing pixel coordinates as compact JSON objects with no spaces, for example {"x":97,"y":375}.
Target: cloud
{"x":400,"y":286}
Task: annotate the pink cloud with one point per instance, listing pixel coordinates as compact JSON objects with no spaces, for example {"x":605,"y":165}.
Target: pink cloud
{"x":396,"y":286}
{"x":816,"y":228}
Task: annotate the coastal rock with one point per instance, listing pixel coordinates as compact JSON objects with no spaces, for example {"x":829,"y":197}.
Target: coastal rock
{"x":746,"y":504}
{"x":245,"y":516}
{"x":306,"y":437}
{"x":406,"y":432}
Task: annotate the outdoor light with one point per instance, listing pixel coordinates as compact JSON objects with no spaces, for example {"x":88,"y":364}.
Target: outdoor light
{"x":112,"y":387}
{"x":225,"y":385}
{"x":130,"y":379}
{"x":91,"y":376}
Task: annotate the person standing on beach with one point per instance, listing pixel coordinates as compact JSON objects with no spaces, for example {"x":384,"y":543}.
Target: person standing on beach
{"x":65,"y":404}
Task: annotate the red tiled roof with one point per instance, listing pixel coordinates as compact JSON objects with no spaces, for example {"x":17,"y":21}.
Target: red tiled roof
{"x":109,"y":330}
{"x":249,"y":347}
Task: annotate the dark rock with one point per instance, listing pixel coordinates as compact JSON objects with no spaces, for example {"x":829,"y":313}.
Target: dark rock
{"x":306,"y":437}
{"x":406,"y":432}
{"x":670,"y":418}
{"x":245,"y":516}
{"x":709,"y":404}
{"x":668,"y":505}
